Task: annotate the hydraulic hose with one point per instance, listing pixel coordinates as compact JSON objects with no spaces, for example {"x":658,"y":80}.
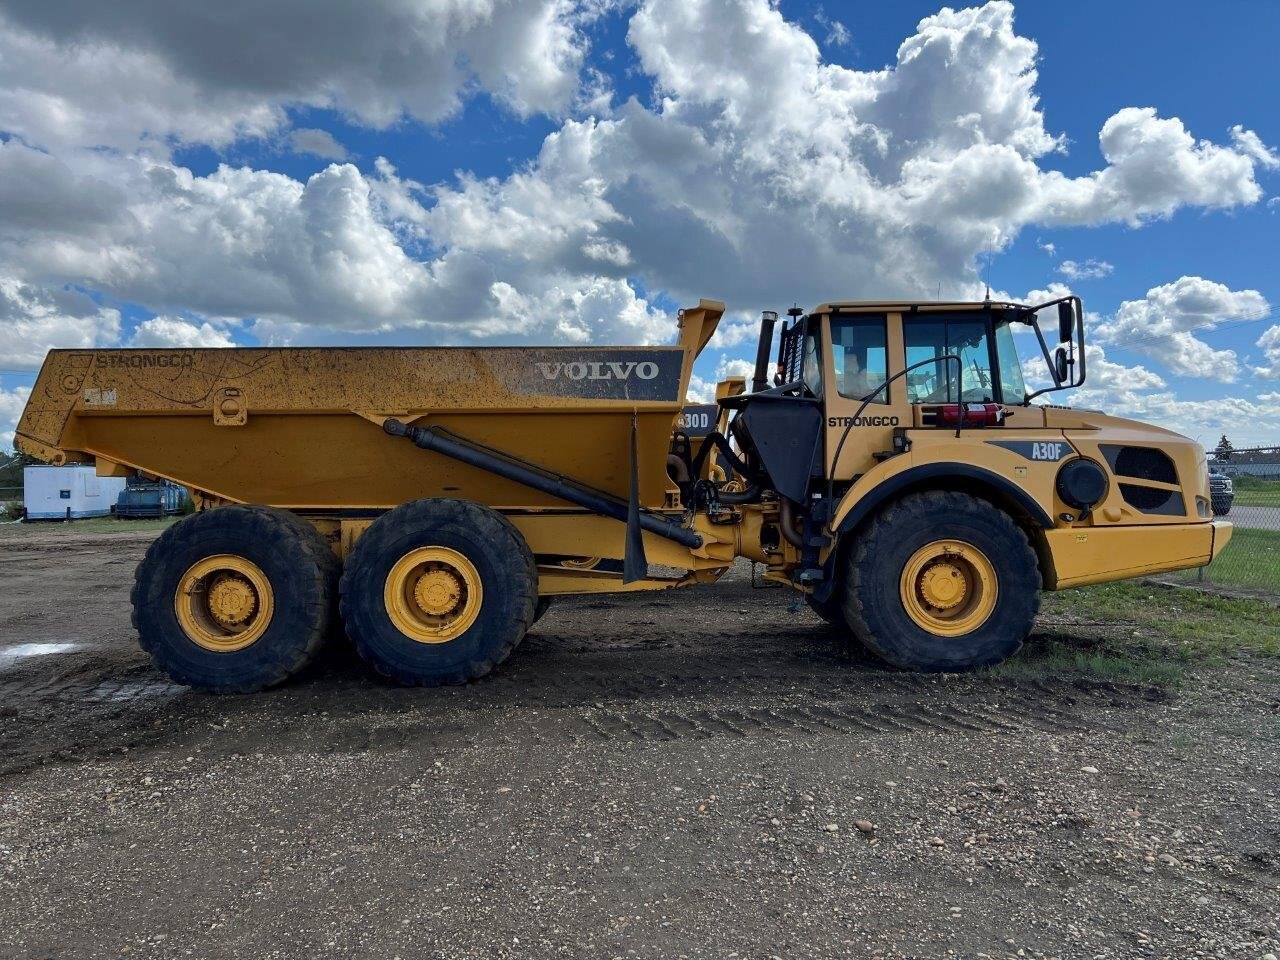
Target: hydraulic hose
{"x":564,"y":488}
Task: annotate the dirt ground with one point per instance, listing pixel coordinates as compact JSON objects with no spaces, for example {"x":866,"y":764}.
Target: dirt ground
{"x":688,"y":774}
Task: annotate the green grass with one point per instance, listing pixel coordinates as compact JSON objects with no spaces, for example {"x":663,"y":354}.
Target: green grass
{"x":90,"y":525}
{"x":1251,"y":560}
{"x":1141,"y":632}
{"x":1058,"y":658}
{"x":1255,"y":492}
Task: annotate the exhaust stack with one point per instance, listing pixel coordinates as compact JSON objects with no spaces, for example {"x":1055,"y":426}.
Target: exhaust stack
{"x":768,"y":319}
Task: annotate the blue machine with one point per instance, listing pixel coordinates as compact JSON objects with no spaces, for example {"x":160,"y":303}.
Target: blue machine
{"x":150,"y":498}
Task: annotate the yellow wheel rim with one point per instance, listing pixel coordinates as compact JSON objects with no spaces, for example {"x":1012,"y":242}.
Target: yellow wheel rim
{"x":433,"y":594}
{"x":581,"y":563}
{"x":224,"y":603}
{"x":949,"y":588}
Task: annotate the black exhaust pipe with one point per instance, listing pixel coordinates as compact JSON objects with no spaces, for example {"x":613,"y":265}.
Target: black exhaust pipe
{"x":768,"y":319}
{"x":565,"y":488}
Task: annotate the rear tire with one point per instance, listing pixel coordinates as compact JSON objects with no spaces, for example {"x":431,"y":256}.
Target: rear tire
{"x":942,"y":581}
{"x":235,"y":599}
{"x":544,"y":604}
{"x":438,"y":591}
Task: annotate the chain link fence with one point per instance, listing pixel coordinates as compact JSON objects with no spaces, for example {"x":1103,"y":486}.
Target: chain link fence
{"x":1246,"y":490}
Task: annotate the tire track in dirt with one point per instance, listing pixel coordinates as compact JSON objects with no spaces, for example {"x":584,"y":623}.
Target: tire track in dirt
{"x":1011,"y":717}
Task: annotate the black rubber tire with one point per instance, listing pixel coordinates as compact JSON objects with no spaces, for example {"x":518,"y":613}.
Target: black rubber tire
{"x":831,"y":610}
{"x":1219,"y":511}
{"x":544,"y":603}
{"x":302,"y":570}
{"x":873,"y":603}
{"x":507,"y":570}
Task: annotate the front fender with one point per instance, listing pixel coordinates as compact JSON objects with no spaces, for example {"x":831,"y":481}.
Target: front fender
{"x":901,"y":475}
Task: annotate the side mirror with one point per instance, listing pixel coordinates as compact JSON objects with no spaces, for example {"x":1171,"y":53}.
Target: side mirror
{"x":1066,"y":321}
{"x":1061,"y":367}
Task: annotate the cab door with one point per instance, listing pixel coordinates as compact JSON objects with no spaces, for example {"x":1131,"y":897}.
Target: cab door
{"x":861,"y":350}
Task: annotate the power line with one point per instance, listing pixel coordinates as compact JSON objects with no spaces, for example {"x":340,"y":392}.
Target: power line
{"x":1208,"y":324}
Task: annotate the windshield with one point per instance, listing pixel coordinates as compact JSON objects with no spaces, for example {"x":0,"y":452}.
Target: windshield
{"x":940,"y":336}
{"x":986,"y":353}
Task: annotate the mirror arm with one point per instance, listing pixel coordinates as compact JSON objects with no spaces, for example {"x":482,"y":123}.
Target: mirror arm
{"x":1076,"y":346}
{"x":1080,"y":339}
{"x":1048,"y":362}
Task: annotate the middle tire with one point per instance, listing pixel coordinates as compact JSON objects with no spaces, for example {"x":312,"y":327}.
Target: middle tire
{"x":438,"y":591}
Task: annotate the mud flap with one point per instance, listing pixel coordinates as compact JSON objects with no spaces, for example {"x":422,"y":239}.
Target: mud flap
{"x":635,"y":566}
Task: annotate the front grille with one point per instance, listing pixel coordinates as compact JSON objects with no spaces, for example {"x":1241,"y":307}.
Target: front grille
{"x":1140,"y":463}
{"x":1150,"y":500}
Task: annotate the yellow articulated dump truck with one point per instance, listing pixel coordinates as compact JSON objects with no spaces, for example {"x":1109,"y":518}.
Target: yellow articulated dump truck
{"x":890,"y":465}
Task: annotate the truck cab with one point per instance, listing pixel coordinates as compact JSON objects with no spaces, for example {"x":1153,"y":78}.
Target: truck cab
{"x":880,"y":421}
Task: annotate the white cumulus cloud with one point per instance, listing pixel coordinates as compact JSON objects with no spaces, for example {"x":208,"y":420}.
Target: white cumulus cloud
{"x":1085,"y":270}
{"x":808,"y":180}
{"x":176,"y":332}
{"x":317,"y":143}
{"x":11,"y":404}
{"x":152,"y":73}
{"x":1269,"y":343}
{"x":34,"y":320}
{"x":1164,"y":323}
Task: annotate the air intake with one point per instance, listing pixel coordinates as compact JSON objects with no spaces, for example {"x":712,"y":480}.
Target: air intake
{"x":1166,"y":503}
{"x":1140,"y":463}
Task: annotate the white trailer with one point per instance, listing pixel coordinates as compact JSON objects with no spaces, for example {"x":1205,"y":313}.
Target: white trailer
{"x":56,"y":493}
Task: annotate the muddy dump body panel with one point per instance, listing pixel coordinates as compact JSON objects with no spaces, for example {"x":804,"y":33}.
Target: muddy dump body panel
{"x":302,"y":427}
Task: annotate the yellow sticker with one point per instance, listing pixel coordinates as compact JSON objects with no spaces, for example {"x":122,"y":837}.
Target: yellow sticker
{"x":1082,"y":538}
{"x":1020,"y":472}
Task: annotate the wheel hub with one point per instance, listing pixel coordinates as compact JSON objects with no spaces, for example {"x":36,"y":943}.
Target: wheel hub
{"x":438,"y":592}
{"x":433,"y":594}
{"x":231,"y":599}
{"x":949,"y":588}
{"x":943,"y":585}
{"x":224,"y":603}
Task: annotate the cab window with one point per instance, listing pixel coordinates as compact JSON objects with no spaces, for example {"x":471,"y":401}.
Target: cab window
{"x":812,"y":367}
{"x":935,"y":337}
{"x":859,"y":353}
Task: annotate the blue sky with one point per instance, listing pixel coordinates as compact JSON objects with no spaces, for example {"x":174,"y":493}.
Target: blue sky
{"x":546,"y":171}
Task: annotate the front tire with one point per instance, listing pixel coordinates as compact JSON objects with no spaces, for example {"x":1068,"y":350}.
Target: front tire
{"x":235,"y":599}
{"x":438,"y":591}
{"x":942,"y":581}
{"x":831,"y":610}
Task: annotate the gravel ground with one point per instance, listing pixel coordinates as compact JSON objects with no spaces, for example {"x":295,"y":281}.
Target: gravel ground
{"x":691,"y":774}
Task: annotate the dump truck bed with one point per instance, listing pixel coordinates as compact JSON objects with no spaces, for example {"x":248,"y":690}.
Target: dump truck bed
{"x":301,"y":427}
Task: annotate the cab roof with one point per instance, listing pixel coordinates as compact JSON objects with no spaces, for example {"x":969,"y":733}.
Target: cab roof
{"x":896,"y":305}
